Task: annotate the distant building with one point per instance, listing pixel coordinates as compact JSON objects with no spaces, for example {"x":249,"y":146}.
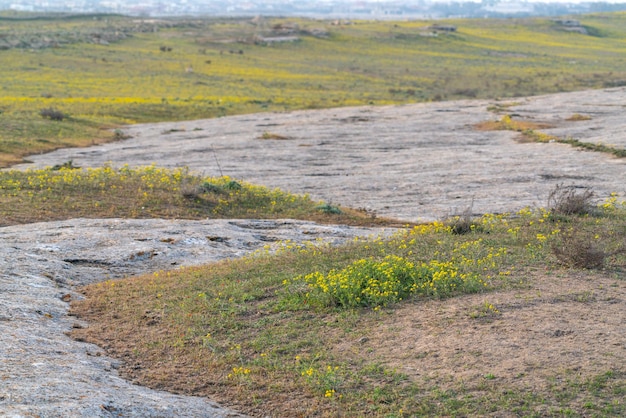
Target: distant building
{"x":510,"y":8}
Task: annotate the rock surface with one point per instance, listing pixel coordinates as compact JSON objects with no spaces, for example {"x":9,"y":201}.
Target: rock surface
{"x":44,"y":372}
{"x":416,"y":162}
{"x":413,"y":162}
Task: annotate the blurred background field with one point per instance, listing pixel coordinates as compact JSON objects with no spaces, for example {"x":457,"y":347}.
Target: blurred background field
{"x":100,"y":72}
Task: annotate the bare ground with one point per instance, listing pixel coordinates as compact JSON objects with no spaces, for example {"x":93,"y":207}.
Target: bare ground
{"x":562,"y":326}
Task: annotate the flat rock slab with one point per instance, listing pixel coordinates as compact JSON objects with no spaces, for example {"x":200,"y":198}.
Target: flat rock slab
{"x":45,"y":373}
{"x":417,"y":162}
{"x":413,"y":162}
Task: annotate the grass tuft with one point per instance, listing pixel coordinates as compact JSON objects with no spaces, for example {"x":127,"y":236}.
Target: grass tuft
{"x":576,"y":117}
{"x":570,"y":200}
{"x":529,"y":133}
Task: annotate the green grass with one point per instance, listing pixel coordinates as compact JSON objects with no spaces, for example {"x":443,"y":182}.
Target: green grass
{"x":66,"y":192}
{"x":252,"y":335}
{"x":132,"y":80}
{"x":530,"y":132}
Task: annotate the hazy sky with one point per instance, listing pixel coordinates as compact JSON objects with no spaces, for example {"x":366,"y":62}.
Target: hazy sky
{"x":507,"y":1}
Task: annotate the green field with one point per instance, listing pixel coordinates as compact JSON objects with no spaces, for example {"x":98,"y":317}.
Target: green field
{"x":212,"y":68}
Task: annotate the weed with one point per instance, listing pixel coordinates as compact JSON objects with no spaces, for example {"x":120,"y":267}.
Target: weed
{"x":501,"y":107}
{"x":570,"y":200}
{"x":270,"y":135}
{"x":68,"y":165}
{"x":485,"y":311}
{"x":232,"y":185}
{"x":119,"y":135}
{"x":581,"y":248}
{"x":578,"y":117}
{"x":325,"y":380}
{"x":329,"y":209}
{"x":209,"y":187}
{"x":464,"y":223}
{"x":190,"y":191}
{"x":52,"y":114}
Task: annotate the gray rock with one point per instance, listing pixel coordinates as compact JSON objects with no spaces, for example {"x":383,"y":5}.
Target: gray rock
{"x":46,"y":373}
{"x":416,"y":162}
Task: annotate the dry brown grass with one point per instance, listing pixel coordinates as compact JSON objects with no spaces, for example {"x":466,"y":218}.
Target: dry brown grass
{"x":275,"y":136}
{"x":579,"y":250}
{"x":513,"y":125}
{"x":554,"y":329}
{"x":576,"y":117}
{"x":570,"y":200}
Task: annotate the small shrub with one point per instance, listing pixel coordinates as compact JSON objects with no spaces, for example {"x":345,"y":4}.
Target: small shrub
{"x":208,"y":187}
{"x":485,"y":311}
{"x":119,"y":135}
{"x":68,"y":165}
{"x":579,"y":250}
{"x":191,"y":192}
{"x":194,"y":191}
{"x":467,"y":92}
{"x":52,"y":114}
{"x":329,"y":209}
{"x":566,"y":200}
{"x":232,"y":185}
{"x":463,"y":224}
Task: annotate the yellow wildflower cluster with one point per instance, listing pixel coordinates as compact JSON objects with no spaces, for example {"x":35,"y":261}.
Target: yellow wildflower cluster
{"x":431,"y":228}
{"x":611,"y":203}
{"x":378,"y":282}
{"x":365,"y":282}
{"x":238,"y":372}
{"x":326,"y":380}
{"x":103,"y":178}
{"x":486,"y":310}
